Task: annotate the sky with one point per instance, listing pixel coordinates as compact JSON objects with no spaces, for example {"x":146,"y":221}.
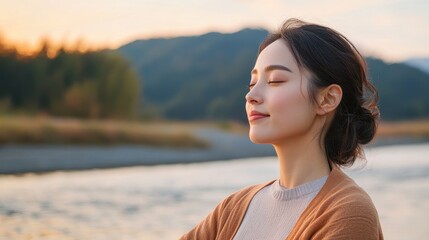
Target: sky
{"x":394,"y":30}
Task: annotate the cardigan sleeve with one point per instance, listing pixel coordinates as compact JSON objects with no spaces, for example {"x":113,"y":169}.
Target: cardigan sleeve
{"x":208,"y":227}
{"x":221,"y":221}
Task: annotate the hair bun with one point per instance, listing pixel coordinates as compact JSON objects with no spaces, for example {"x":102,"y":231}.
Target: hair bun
{"x":364,"y":122}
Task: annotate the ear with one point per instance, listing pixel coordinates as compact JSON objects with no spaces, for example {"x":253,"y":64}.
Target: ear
{"x":329,"y":98}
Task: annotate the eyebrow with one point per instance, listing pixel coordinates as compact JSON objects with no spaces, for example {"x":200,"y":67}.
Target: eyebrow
{"x":271,"y":68}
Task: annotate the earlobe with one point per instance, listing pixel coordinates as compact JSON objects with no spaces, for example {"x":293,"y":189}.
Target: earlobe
{"x":329,"y":98}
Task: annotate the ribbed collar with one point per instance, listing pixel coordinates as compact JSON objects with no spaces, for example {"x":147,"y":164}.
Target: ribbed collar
{"x":281,"y":193}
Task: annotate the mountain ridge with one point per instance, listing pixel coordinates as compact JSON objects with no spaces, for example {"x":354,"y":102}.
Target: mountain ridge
{"x":421,"y":63}
{"x":204,"y":77}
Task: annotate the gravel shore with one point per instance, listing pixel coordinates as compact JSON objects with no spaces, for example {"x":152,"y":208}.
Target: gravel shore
{"x":42,"y":158}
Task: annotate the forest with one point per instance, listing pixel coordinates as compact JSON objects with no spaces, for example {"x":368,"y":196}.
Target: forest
{"x":94,"y":84}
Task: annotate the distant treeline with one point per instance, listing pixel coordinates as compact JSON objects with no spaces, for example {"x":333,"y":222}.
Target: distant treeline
{"x":94,"y":84}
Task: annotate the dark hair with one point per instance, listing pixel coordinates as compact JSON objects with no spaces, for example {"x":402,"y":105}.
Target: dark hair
{"x":332,"y":59}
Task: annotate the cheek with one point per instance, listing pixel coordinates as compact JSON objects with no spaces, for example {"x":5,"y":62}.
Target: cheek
{"x":289,"y":102}
{"x":291,"y":110}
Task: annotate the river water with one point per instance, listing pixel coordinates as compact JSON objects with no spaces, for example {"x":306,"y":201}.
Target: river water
{"x":162,"y":202}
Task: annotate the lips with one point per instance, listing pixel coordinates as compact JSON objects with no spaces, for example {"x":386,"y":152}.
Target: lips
{"x":255,"y":115}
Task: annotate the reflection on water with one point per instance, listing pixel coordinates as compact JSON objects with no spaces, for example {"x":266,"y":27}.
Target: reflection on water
{"x":162,"y":202}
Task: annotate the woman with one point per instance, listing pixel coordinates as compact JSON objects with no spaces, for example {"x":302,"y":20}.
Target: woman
{"x":309,"y":96}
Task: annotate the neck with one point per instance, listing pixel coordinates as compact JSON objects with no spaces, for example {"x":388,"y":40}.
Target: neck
{"x":301,"y":160}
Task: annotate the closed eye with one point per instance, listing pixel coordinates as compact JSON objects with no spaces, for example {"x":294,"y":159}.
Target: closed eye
{"x":275,"y":82}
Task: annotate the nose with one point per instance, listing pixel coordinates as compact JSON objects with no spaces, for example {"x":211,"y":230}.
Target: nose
{"x":253,"y":97}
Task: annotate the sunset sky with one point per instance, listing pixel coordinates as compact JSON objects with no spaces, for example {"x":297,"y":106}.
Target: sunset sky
{"x":392,"y":29}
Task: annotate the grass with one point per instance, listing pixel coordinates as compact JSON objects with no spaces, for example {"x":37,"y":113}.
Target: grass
{"x":49,"y":130}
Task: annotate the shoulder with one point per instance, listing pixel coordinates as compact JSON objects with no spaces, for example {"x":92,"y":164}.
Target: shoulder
{"x":347,"y":198}
{"x":345,"y":209}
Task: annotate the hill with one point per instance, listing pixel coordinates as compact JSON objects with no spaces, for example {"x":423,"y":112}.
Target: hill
{"x":403,"y":90}
{"x":420,"y":63}
{"x":204,"y":77}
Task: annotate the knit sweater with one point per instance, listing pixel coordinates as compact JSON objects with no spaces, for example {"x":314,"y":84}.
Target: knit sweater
{"x":341,"y":210}
{"x":274,"y":210}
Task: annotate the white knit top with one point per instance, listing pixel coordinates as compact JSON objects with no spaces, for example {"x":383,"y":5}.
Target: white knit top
{"x":274,"y":210}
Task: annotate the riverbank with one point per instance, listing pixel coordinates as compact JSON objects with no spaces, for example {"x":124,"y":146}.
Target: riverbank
{"x":43,"y":158}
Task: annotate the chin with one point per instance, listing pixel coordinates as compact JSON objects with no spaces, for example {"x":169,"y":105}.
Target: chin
{"x":258,"y":139}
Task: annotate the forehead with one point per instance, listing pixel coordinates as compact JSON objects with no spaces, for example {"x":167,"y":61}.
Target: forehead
{"x":277,"y":53}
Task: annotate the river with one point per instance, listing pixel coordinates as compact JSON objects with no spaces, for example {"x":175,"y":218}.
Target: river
{"x":162,"y":202}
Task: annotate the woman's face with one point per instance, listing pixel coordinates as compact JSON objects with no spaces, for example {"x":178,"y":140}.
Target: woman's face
{"x":277,"y":105}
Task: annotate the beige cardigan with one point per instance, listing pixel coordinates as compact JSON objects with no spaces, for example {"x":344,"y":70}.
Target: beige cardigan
{"x":341,"y":210}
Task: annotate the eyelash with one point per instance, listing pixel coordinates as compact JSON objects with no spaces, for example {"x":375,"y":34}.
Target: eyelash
{"x":249,"y":86}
